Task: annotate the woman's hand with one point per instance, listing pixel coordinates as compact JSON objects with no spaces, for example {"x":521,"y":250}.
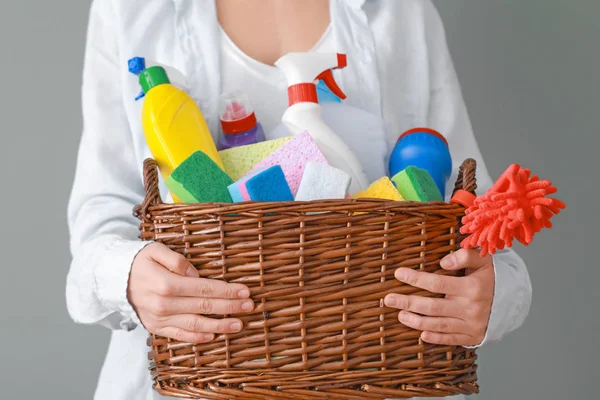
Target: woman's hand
{"x":461,"y":318}
{"x":168,"y":296}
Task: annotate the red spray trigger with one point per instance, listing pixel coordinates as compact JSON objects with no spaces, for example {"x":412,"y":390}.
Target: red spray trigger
{"x":327,"y":77}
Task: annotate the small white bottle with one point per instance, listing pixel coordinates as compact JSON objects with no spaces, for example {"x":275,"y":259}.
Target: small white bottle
{"x":304,"y":112}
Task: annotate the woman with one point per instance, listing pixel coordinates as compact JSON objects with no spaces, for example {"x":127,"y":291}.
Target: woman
{"x":399,"y":75}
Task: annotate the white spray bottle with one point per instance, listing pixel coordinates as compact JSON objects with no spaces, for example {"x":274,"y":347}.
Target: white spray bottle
{"x":304,"y":112}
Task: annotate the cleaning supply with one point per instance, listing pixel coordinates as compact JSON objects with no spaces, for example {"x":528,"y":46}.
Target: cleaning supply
{"x":304,"y":112}
{"x":516,"y":207}
{"x":322,"y":182}
{"x":383,"y":188}
{"x":293,"y":156}
{"x":415,"y":184}
{"x":238,"y":161}
{"x":426,"y":149}
{"x":198,"y":179}
{"x":262,"y":184}
{"x":238,"y":122}
{"x":173,"y":125}
{"x":238,"y":190}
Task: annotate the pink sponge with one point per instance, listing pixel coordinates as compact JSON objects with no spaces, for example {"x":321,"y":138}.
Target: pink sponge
{"x":292,"y":157}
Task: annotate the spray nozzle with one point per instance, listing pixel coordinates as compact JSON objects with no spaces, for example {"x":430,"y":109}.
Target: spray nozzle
{"x":302,"y":69}
{"x":327,"y":76}
{"x":136,"y":66}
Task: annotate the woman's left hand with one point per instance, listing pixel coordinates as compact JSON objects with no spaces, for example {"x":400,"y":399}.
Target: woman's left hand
{"x":461,"y":318}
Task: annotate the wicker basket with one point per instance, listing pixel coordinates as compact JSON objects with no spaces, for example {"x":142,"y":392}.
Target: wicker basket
{"x":318,"y":272}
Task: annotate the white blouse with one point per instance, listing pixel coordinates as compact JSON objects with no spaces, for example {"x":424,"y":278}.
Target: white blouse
{"x":399,"y":75}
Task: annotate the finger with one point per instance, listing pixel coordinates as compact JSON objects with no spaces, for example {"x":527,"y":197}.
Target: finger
{"x":425,"y":305}
{"x":200,"y":324}
{"x":465,"y":258}
{"x":177,"y":286}
{"x":450,"y":339}
{"x":185,"y":336}
{"x":173,"y":261}
{"x":434,"y":283}
{"x":432,"y":324}
{"x":166,"y":306}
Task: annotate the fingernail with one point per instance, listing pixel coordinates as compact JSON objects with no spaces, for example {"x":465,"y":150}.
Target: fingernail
{"x":390,"y":301}
{"x":236,"y":326}
{"x":447,"y":262}
{"x":247,"y":306}
{"x":243,"y":293}
{"x":403,"y":316}
{"x":191,"y":272}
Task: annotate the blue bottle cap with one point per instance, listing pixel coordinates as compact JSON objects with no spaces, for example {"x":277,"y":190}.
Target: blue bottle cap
{"x":136,"y":66}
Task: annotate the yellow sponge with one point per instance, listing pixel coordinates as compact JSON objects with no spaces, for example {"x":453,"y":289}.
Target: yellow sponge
{"x":383,"y":188}
{"x":238,"y":161}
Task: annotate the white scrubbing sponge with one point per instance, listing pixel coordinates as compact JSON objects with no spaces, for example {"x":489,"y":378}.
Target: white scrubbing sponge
{"x":322,"y":182}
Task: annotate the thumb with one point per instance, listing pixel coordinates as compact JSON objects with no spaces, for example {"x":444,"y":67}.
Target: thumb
{"x":465,"y":258}
{"x":172,"y":261}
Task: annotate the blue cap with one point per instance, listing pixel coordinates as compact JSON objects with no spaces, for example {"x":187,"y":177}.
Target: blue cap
{"x":136,"y":66}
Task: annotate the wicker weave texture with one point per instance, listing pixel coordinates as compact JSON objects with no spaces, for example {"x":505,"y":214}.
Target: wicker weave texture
{"x":318,"y":273}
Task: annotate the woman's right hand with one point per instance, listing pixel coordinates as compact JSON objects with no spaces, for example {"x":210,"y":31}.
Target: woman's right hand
{"x":168,"y":296}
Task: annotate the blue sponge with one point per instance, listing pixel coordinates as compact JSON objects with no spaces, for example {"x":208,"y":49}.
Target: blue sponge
{"x":262,"y":184}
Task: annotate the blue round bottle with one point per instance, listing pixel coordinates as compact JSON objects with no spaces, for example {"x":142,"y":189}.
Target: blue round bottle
{"x":426,"y":149}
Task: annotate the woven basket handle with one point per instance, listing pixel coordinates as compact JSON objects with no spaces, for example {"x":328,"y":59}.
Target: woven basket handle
{"x":466,"y":177}
{"x":152,"y":197}
{"x":466,"y":181}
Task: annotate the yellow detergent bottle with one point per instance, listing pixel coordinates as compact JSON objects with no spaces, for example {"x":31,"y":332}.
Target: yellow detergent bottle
{"x":173,"y":124}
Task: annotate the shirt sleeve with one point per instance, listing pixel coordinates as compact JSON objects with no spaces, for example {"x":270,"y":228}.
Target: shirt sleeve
{"x":107,"y":186}
{"x":447,"y":113}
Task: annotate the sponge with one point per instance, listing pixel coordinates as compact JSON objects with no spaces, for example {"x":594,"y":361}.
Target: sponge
{"x":321,"y":182}
{"x":199,"y":180}
{"x":382,"y":188}
{"x":238,"y":161}
{"x":238,"y":190}
{"x":262,"y":184}
{"x":415,"y":184}
{"x":293,"y":156}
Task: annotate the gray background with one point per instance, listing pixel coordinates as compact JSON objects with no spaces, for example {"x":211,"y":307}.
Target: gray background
{"x":529,"y":71}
